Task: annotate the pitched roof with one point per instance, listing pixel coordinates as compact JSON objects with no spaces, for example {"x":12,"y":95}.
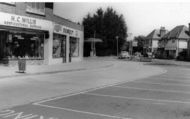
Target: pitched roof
{"x":179,"y":32}
{"x":155,"y":34}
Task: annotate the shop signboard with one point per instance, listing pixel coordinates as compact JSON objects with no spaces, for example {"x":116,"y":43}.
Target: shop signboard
{"x":24,"y":22}
{"x":65,"y":30}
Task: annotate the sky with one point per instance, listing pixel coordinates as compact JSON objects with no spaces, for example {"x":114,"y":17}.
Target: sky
{"x":141,"y":17}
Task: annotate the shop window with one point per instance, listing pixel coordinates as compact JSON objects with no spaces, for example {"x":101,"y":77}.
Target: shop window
{"x":36,"y":7}
{"x":29,"y":46}
{"x":59,"y":46}
{"x":74,"y":46}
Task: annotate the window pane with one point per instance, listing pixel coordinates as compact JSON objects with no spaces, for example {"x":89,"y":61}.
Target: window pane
{"x":30,"y":46}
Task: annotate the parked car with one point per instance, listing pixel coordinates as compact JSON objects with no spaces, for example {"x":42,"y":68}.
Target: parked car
{"x":124,"y":55}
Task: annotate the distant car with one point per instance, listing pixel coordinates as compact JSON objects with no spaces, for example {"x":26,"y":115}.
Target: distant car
{"x":124,"y":55}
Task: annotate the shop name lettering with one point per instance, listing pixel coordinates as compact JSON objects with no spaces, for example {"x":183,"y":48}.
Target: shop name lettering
{"x":11,"y":114}
{"x":58,"y":28}
{"x":68,"y":31}
{"x":19,"y":21}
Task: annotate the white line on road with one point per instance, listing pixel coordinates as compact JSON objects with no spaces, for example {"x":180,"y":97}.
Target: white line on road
{"x":161,"y":83}
{"x":88,"y":90}
{"x":171,"y":78}
{"x":156,"y":90}
{"x":91,"y":113}
{"x":136,"y":98}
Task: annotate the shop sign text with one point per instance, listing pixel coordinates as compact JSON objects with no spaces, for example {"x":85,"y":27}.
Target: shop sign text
{"x":19,"y":21}
{"x":65,"y":30}
{"x":24,"y":22}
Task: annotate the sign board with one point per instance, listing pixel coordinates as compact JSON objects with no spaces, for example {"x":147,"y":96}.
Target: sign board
{"x":24,"y":22}
{"x":65,"y":30}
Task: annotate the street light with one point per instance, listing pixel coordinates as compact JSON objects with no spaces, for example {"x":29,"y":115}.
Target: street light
{"x":117,"y":37}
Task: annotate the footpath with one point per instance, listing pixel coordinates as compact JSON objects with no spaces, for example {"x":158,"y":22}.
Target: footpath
{"x":170,"y":62}
{"x":88,"y":63}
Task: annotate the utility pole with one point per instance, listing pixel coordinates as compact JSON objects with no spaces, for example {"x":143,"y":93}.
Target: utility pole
{"x":117,"y":37}
{"x":94,"y":47}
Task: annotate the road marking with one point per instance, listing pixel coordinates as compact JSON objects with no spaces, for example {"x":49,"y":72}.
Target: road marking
{"x":161,"y":83}
{"x":88,"y":90}
{"x":91,"y":113}
{"x":93,"y":89}
{"x":170,"y":78}
{"x":158,"y":90}
{"x":175,"y":77}
{"x":145,"y":99}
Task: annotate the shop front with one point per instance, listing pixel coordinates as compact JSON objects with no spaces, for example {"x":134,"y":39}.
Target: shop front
{"x":22,"y":37}
{"x":66,"y":44}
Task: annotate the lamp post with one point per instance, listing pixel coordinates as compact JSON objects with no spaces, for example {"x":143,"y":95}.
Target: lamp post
{"x":117,"y":37}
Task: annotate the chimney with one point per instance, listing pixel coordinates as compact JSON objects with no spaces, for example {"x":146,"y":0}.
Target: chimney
{"x":162,"y":31}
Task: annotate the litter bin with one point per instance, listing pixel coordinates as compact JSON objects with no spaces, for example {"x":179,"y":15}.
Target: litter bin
{"x":21,"y":65}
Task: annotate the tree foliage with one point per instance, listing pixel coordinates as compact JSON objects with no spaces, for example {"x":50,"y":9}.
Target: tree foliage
{"x":140,"y":43}
{"x":105,"y":25}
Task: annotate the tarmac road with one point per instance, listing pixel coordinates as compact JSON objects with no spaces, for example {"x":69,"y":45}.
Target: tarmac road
{"x":165,"y":96}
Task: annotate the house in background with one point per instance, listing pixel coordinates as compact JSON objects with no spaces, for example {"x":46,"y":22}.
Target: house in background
{"x":175,"y":41}
{"x":152,"y":39}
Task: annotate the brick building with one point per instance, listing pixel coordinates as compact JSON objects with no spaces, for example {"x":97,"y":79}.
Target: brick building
{"x":31,"y":30}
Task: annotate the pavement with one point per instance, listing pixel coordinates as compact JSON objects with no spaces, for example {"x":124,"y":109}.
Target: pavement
{"x":87,"y":63}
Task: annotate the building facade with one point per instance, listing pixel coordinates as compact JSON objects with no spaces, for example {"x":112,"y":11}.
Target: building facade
{"x":151,"y":43}
{"x":175,"y":41}
{"x":30,"y":30}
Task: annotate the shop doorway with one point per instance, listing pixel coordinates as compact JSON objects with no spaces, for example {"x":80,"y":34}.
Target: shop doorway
{"x":74,"y":48}
{"x":59,"y":47}
{"x":3,"y":40}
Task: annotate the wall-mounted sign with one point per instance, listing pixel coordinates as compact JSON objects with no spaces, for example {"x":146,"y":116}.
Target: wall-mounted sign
{"x":65,"y":30}
{"x":24,"y":22}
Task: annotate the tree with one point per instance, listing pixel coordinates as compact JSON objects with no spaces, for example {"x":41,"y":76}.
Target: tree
{"x":140,"y":43}
{"x":106,"y":25}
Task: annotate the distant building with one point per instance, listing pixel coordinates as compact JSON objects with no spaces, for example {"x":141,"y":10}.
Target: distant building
{"x":31,"y":30}
{"x":175,"y":41}
{"x":152,"y":40}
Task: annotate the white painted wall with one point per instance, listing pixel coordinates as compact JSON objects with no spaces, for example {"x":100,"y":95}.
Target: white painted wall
{"x":183,"y":44}
{"x":155,"y":44}
{"x":47,"y":46}
{"x":173,"y":45}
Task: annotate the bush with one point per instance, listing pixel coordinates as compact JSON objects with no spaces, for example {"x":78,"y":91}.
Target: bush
{"x":182,"y":55}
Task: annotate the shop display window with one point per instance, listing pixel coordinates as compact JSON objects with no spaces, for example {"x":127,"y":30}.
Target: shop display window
{"x":59,"y":46}
{"x":74,"y":46}
{"x":26,"y":45}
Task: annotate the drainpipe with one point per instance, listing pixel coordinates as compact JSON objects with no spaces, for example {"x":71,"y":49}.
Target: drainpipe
{"x":177,"y":49}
